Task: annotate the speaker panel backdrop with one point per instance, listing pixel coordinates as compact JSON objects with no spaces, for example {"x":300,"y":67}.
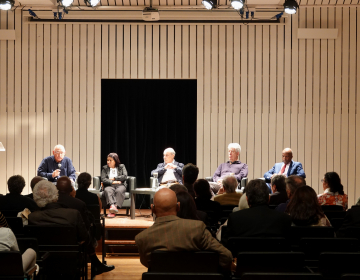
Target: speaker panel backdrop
{"x":140,"y":118}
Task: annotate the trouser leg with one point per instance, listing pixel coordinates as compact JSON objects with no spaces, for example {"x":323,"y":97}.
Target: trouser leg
{"x":120,"y":195}
{"x":214,"y":187}
{"x":28,"y":259}
{"x":110,"y":195}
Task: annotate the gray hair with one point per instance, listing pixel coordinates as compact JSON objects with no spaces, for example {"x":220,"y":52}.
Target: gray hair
{"x":44,"y":193}
{"x":171,"y":150}
{"x":235,"y":146}
{"x":59,"y":146}
{"x":229,"y":183}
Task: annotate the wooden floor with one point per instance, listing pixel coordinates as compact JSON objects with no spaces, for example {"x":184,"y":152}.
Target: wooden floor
{"x":126,"y":267}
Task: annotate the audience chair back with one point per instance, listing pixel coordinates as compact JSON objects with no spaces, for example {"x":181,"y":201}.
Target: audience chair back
{"x":332,"y":208}
{"x":337,"y":223}
{"x":332,"y":265}
{"x":297,"y":232}
{"x":52,"y":235}
{"x":99,"y":221}
{"x":257,"y":244}
{"x":191,"y":262}
{"x":11,"y":213}
{"x":350,"y":277}
{"x":226,"y":210}
{"x":281,"y":276}
{"x":270,"y":262}
{"x":26,"y":243}
{"x":16,"y":225}
{"x":181,"y":276}
{"x":351,"y":232}
{"x":12,"y":268}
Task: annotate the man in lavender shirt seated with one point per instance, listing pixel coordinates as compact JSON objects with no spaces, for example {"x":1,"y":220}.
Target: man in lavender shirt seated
{"x":232,"y":167}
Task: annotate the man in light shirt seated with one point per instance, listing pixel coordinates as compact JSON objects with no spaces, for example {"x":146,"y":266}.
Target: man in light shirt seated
{"x":287,"y":167}
{"x":169,"y":171}
{"x":231,"y":167}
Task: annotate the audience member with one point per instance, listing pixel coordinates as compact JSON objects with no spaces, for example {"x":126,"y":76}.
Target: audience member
{"x":292,"y":183}
{"x":178,"y":188}
{"x":304,"y":208}
{"x":169,"y":171}
{"x":8,"y":243}
{"x":259,"y":220}
{"x":203,"y":197}
{"x":232,"y":167}
{"x":351,"y":220}
{"x":33,"y":182}
{"x":333,"y":191}
{"x":3,"y":222}
{"x":53,"y":213}
{"x":188,"y":208}
{"x":243,"y":203}
{"x":278,"y":188}
{"x":181,"y":234}
{"x":65,"y":188}
{"x":14,"y":200}
{"x":230,"y":197}
{"x":82,"y":193}
{"x":190,"y":173}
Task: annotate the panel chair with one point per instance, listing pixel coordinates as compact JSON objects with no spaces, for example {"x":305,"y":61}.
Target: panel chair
{"x":131,"y":185}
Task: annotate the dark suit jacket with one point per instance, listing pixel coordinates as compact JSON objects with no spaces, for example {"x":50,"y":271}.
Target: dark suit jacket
{"x":295,"y":168}
{"x":55,"y":214}
{"x":70,"y":202}
{"x":161,"y":170}
{"x":277,"y":198}
{"x":17,"y":202}
{"x":352,"y":219}
{"x":30,"y":195}
{"x":87,"y":197}
{"x":258,"y":221}
{"x":105,"y":173}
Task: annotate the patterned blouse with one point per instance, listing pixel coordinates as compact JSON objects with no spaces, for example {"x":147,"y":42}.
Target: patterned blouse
{"x":329,"y":198}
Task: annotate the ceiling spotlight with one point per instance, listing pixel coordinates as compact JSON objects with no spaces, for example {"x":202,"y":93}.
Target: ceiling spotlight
{"x":6,"y":4}
{"x":91,"y":3}
{"x":290,"y":7}
{"x":65,"y":3}
{"x":209,"y":4}
{"x":237,"y":4}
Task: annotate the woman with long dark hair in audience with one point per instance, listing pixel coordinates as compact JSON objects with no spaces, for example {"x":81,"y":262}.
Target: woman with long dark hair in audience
{"x":305,"y":210}
{"x":333,"y":191}
{"x":203,"y":197}
{"x":113,"y":177}
{"x":187,"y":206}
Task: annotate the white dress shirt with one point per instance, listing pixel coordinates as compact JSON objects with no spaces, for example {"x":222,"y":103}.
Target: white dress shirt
{"x":169,"y":175}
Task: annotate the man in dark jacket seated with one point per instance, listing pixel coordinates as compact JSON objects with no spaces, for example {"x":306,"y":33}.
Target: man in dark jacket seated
{"x":278,"y":188}
{"x":53,"y":213}
{"x":14,"y":200}
{"x":258,"y":220}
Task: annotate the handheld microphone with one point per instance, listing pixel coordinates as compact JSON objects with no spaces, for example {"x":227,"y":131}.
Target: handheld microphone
{"x":59,"y":165}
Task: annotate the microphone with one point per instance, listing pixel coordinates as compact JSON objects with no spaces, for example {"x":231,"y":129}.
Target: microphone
{"x":59,"y":165}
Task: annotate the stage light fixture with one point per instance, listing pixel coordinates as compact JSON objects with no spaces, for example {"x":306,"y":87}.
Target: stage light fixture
{"x":6,"y":4}
{"x":209,"y":4}
{"x":91,"y":3}
{"x":290,"y":7}
{"x":65,"y":3}
{"x":237,"y":4}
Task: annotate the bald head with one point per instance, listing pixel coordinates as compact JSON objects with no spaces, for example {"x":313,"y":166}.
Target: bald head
{"x":165,"y":203}
{"x":287,"y":155}
{"x":64,"y":185}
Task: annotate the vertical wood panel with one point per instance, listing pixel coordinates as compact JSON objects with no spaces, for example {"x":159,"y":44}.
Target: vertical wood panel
{"x":134,"y":51}
{"x":53,"y":83}
{"x":185,"y":53}
{"x":68,"y":88}
{"x":241,"y":34}
{"x":163,"y":52}
{"x":170,"y":52}
{"x":274,"y":97}
{"x":127,"y":52}
{"x":264,"y":101}
{"x":75,"y":152}
{"x":228,"y":125}
{"x":141,"y":52}
{"x":119,"y":51}
{"x":112,"y":51}
{"x":155,"y":54}
{"x":178,"y":52}
{"x":83,"y":91}
{"x":222,"y":151}
{"x":148,"y":52}
{"x":214,"y":84}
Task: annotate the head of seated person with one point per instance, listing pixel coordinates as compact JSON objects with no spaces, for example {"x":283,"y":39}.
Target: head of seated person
{"x":230,"y":184}
{"x":190,"y":173}
{"x":178,"y":188}
{"x":165,"y":203}
{"x":34,"y":181}
{"x":278,"y":184}
{"x":202,"y":189}
{"x":257,"y":193}
{"x":16,"y":184}
{"x":304,"y":207}
{"x":187,"y":206}
{"x":332,"y":182}
{"x":45,"y":192}
{"x":84,"y":181}
{"x":293,"y":182}
{"x":64,"y":185}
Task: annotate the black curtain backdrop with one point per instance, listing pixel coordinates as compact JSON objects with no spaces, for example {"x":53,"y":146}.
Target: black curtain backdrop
{"x":141,"y":118}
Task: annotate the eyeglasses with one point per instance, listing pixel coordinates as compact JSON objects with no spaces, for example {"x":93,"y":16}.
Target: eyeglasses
{"x":59,"y":153}
{"x":322,"y":180}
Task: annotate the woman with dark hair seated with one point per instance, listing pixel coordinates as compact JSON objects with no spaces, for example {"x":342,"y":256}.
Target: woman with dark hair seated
{"x":82,"y":193}
{"x":203,"y":197}
{"x":333,"y":191}
{"x":188,"y":207}
{"x":305,"y":210}
{"x":113,"y":177}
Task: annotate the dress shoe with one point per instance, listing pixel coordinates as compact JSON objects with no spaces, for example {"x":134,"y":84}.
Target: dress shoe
{"x":100,"y":268}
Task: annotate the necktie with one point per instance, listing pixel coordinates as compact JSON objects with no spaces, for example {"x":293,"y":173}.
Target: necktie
{"x":282,"y":169}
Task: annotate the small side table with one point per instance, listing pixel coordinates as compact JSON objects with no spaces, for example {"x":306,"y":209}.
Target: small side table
{"x":148,"y":191}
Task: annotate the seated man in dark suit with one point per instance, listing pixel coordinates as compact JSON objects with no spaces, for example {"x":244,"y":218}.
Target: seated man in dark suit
{"x":293,"y":182}
{"x":190,"y":173}
{"x":169,"y":171}
{"x":352,"y":219}
{"x":278,"y":188}
{"x":258,"y":220}
{"x":172,"y":233}
{"x":14,"y":200}
{"x":33,"y":182}
{"x":82,"y":193}
{"x":53,"y":213}
{"x":287,"y":167}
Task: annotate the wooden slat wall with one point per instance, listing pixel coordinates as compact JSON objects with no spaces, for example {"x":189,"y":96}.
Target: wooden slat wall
{"x":258,"y":85}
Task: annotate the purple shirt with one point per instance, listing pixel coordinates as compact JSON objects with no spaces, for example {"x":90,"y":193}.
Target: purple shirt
{"x":239,"y":169}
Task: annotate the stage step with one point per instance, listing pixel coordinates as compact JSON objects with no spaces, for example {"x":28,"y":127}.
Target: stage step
{"x":120,"y":242}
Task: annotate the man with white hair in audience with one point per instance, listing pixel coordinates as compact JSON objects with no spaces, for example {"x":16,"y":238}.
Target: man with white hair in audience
{"x":230,"y":197}
{"x":57,"y":165}
{"x":52,"y":213}
{"x":169,"y":171}
{"x":232,"y":167}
